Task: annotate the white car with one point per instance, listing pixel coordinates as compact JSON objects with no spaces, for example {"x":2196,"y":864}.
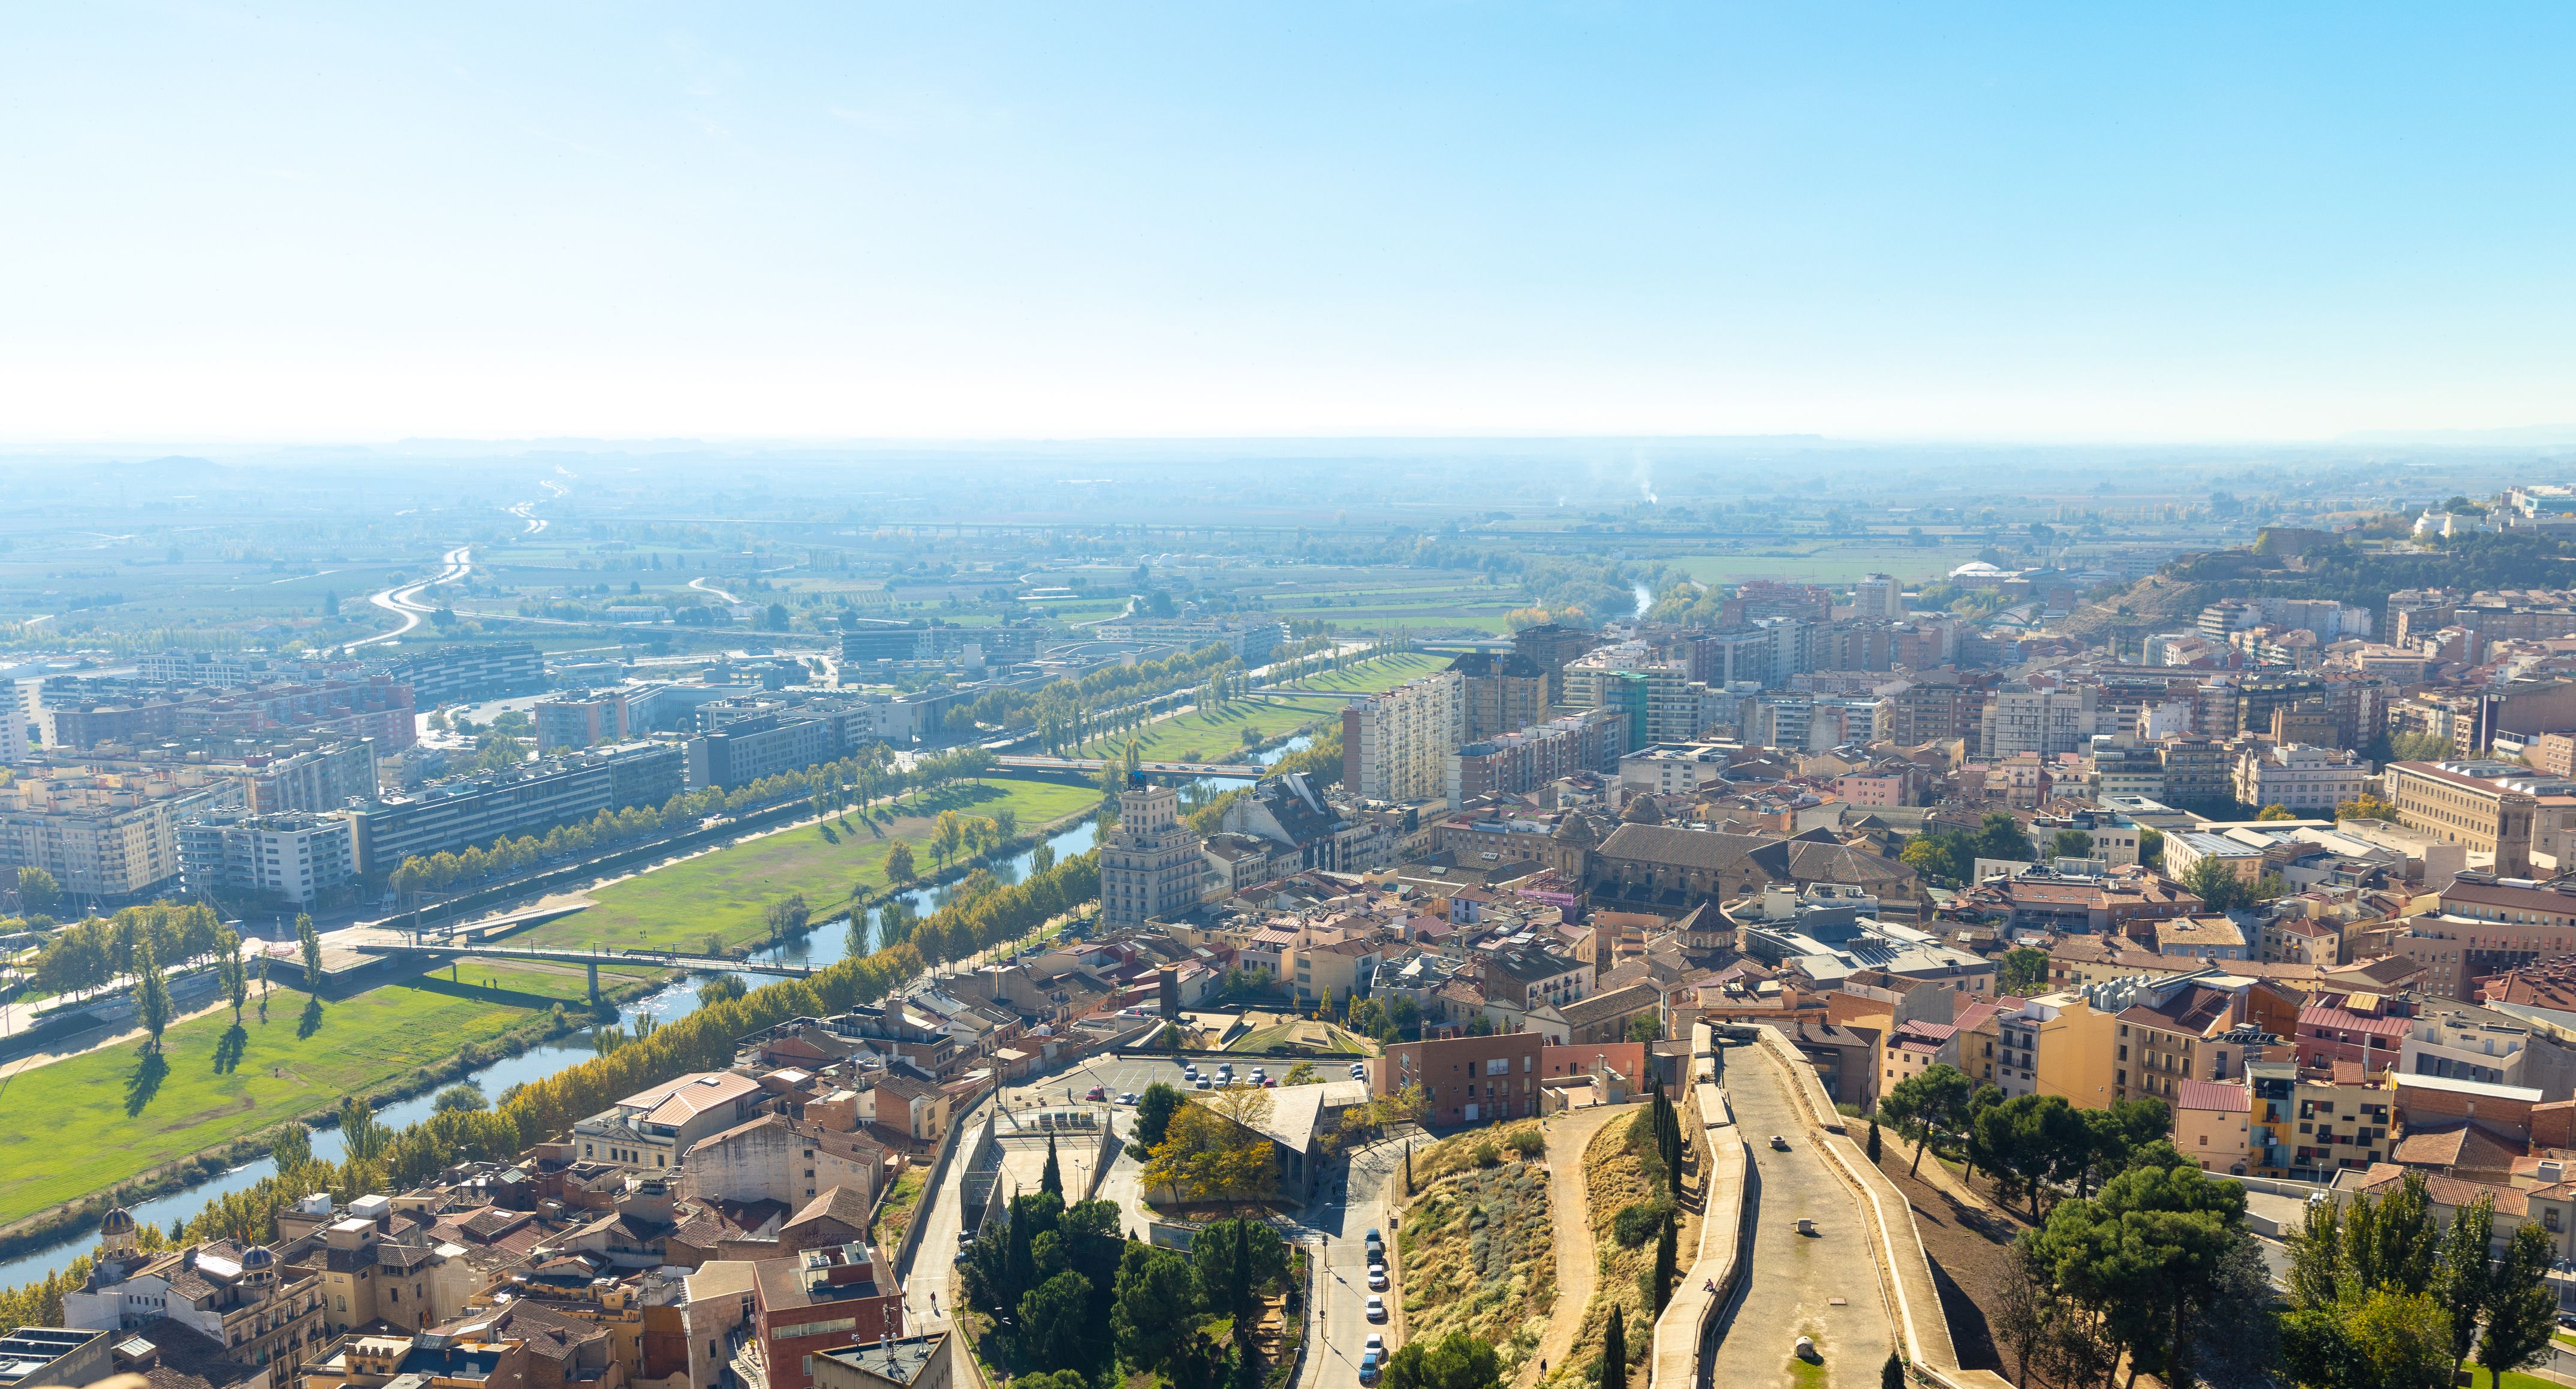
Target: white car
{"x":1377,"y":1277}
{"x":1376,"y":1308}
{"x":1375,"y":1342}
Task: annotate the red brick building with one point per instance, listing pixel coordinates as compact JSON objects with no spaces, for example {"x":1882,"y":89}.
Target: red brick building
{"x":1466,"y":1080}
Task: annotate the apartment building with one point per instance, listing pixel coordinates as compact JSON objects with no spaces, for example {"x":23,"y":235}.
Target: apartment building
{"x":744,"y":750}
{"x":1151,"y":866}
{"x":1549,"y":646}
{"x":527,"y":799}
{"x":297,"y":855}
{"x":2299,"y":777}
{"x":320,"y":777}
{"x":2213,"y":1124}
{"x":581,"y":718}
{"x":108,"y":838}
{"x":1521,"y":762}
{"x":2198,"y":771}
{"x":1655,"y":693}
{"x":2046,"y":722}
{"x":1396,"y":745}
{"x":452,"y":673}
{"x":2199,"y":1026}
{"x":1503,"y":693}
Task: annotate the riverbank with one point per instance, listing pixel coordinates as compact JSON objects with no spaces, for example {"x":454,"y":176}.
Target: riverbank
{"x":725,"y":892}
{"x":663,"y":901}
{"x":112,"y":1128}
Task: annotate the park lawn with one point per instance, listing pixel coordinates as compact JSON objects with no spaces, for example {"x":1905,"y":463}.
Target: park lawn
{"x":82,"y":1124}
{"x":726,"y":891}
{"x":1375,"y":677}
{"x":535,"y":986}
{"x":1216,"y":735}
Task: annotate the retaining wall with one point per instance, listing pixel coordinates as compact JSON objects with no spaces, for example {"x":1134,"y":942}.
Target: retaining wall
{"x":1709,"y":1283}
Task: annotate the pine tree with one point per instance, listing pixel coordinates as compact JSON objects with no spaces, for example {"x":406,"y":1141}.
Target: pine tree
{"x":1892,"y":1374}
{"x":1052,"y":1179}
{"x":1614,"y":1352}
{"x":1873,"y":1140}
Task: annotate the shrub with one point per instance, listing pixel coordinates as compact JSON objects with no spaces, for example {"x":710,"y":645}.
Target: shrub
{"x":1634,"y":1225}
{"x":1527,"y":1142}
{"x":1488,"y":1154}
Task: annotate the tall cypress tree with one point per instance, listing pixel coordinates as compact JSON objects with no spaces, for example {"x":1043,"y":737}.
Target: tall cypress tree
{"x":1243,"y":1304}
{"x":1614,"y":1352}
{"x":1667,"y":1257}
{"x":1019,"y":1263}
{"x":1052,"y":1179}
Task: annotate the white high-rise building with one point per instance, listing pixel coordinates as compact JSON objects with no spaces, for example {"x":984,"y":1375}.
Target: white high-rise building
{"x":16,"y":712}
{"x":1878,"y":595}
{"x":1150,"y":864}
{"x":2048,"y":722}
{"x":1396,"y":746}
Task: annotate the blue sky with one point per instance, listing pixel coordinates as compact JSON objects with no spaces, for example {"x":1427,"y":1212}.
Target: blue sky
{"x":1959,"y":221}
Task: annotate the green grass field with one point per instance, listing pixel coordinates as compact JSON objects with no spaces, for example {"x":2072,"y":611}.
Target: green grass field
{"x":1373,"y":677}
{"x":87,"y":1122}
{"x":725,"y":892}
{"x":1217,"y":735}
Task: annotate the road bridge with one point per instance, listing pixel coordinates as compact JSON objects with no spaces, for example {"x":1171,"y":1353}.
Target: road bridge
{"x":590,"y":959}
{"x":1088,"y":768}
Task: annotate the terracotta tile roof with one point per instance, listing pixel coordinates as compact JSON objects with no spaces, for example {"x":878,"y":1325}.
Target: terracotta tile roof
{"x":2211,"y":1094}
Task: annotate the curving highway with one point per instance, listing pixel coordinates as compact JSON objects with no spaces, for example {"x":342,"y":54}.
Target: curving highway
{"x":404,"y":602}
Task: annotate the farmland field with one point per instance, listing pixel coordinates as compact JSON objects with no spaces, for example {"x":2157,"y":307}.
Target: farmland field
{"x":1807,"y":561}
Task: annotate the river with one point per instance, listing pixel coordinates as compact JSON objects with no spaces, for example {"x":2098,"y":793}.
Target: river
{"x":827,"y":943}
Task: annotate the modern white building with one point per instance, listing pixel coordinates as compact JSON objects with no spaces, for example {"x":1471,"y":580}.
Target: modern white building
{"x":1878,"y":595}
{"x":1396,"y":746}
{"x":295,"y":855}
{"x":2298,"y":777}
{"x":1658,"y":696}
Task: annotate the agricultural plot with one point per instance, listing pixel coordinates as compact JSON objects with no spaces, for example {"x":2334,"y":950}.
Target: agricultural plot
{"x":1829,"y":562}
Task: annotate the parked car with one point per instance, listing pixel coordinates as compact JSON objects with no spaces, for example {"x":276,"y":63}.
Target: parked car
{"x":1377,"y":1278}
{"x":1368,"y":1367}
{"x":1269,"y":1083}
{"x":1204,"y":1085}
{"x":1376,"y":1344}
{"x":1779,"y":1142}
{"x":1376,"y":1308}
{"x":1128,"y":1098}
{"x":1097,"y":1092}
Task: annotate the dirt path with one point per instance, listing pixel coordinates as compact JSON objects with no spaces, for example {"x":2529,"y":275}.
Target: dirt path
{"x":1569,"y":1203}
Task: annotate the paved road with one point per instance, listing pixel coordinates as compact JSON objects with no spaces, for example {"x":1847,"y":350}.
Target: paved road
{"x":404,"y":601}
{"x":1343,"y":1218}
{"x":1790,"y":1278}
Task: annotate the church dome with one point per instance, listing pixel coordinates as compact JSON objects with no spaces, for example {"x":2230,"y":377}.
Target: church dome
{"x":117,"y":1222}
{"x":258,"y":1256}
{"x":1576,"y":829}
